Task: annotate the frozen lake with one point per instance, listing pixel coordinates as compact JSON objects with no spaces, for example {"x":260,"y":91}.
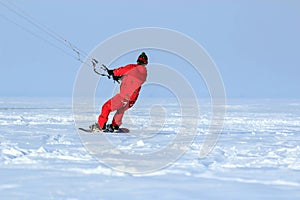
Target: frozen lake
{"x":257,"y":155}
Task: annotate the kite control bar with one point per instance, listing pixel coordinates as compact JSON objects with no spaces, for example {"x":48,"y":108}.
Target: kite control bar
{"x":104,"y":68}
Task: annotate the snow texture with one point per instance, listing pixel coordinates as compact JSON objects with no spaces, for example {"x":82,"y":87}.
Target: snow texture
{"x":257,"y":155}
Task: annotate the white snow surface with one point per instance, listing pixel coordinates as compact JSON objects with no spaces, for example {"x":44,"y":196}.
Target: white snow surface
{"x":256,"y":157}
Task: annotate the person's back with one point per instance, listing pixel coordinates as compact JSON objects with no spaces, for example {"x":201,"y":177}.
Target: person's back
{"x":133,"y":76}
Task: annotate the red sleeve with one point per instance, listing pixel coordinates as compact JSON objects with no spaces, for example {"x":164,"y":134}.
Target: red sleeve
{"x":123,"y":70}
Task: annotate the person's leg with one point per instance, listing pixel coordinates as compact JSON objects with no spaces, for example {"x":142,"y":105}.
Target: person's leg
{"x":112,"y":104}
{"x":117,"y":120}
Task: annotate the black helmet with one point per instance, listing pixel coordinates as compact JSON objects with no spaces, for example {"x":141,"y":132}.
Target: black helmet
{"x":142,"y":59}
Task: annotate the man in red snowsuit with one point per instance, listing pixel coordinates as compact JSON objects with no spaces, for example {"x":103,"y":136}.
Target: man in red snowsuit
{"x":132,"y":77}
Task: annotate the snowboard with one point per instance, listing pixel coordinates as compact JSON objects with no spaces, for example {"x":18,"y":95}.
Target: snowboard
{"x":120,"y":130}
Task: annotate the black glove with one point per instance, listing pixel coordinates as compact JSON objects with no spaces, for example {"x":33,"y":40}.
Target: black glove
{"x":117,"y":78}
{"x":110,"y":72}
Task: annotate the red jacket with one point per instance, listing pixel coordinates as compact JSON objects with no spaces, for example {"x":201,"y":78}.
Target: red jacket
{"x":133,"y":76}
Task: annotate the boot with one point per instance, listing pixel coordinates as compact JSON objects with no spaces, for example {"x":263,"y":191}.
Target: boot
{"x":95,"y":128}
{"x":111,"y":128}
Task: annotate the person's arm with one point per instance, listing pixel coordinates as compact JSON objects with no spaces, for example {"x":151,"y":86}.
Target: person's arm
{"x":122,"y":70}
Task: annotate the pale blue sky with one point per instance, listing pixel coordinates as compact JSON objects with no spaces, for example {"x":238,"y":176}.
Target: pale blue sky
{"x":255,"y":44}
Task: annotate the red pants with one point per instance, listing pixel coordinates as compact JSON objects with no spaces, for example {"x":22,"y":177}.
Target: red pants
{"x":115,"y":103}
